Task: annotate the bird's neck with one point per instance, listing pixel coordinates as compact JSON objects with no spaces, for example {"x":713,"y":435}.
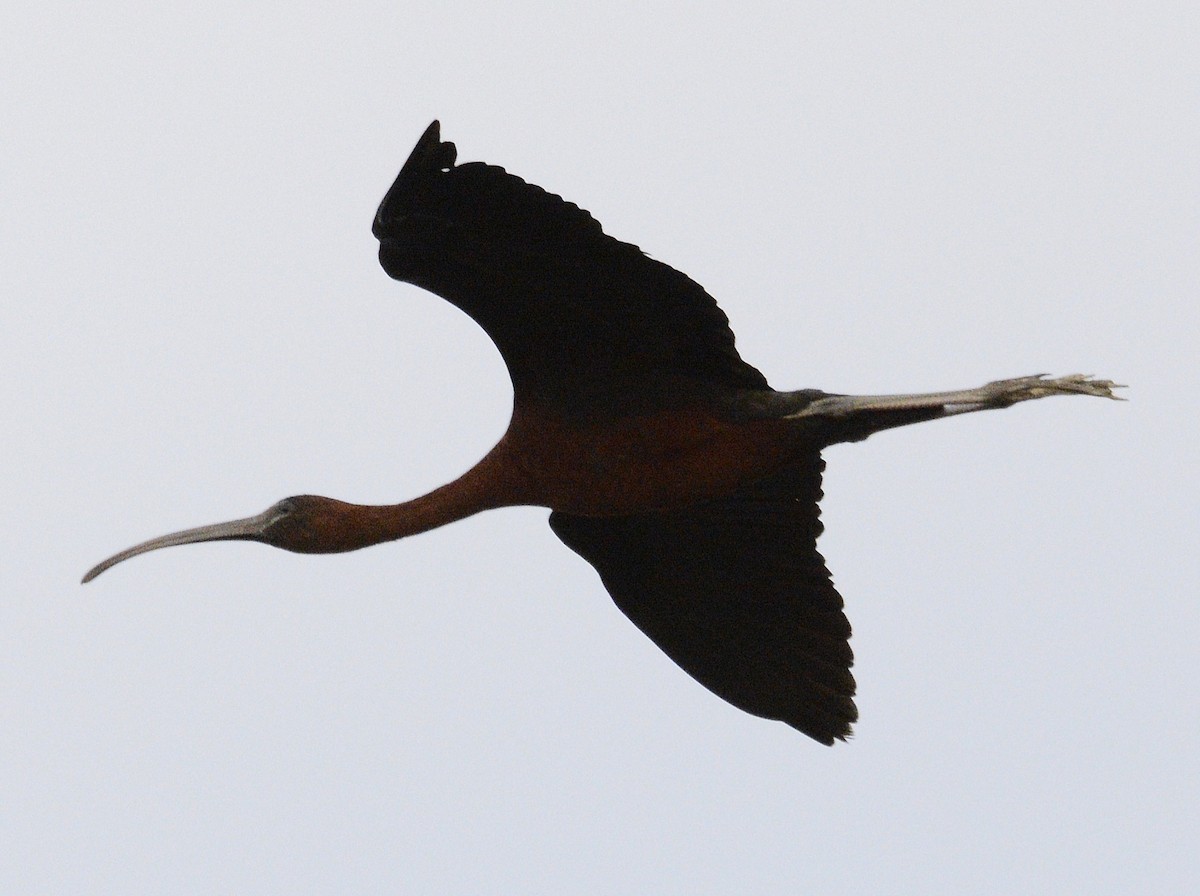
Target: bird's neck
{"x":487,"y":485}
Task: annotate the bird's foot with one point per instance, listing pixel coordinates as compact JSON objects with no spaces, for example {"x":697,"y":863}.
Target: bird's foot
{"x":1002,"y":393}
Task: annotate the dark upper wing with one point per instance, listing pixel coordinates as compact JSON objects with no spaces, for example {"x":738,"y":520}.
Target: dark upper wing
{"x":571,"y":309}
{"x":735,"y":592}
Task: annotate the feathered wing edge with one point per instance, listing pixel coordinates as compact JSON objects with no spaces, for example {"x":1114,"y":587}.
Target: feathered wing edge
{"x":735,"y":592}
{"x":561,"y":299}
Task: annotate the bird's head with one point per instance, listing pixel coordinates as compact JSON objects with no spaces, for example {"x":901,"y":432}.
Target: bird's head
{"x":306,"y":524}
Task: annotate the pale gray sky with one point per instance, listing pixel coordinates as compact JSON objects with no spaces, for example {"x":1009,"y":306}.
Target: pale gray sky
{"x":195,"y":325}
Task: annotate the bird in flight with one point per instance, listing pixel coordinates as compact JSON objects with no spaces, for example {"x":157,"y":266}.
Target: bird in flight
{"x":668,"y":462}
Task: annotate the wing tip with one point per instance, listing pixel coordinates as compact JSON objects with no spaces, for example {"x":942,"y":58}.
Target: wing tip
{"x":826,"y":718}
{"x":824,"y":732}
{"x":431,"y":156}
{"x":431,"y":152}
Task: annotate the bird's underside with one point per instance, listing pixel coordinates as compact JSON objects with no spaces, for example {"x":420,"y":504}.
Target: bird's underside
{"x":669,"y":463}
{"x":733,"y":588}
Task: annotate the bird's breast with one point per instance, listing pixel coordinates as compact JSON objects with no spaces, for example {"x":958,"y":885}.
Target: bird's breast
{"x":640,"y":464}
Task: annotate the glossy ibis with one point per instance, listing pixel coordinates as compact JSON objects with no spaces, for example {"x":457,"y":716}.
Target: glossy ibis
{"x":668,"y":462}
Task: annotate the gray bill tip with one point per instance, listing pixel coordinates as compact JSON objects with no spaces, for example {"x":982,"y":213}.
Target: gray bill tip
{"x":249,"y":529}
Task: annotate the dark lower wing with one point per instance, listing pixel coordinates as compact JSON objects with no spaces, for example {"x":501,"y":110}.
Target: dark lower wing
{"x":736,"y":593}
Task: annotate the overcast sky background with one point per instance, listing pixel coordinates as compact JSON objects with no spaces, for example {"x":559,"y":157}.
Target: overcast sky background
{"x":195,"y":325}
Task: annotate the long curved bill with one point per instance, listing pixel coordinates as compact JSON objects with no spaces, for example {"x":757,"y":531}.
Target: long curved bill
{"x":248,"y":529}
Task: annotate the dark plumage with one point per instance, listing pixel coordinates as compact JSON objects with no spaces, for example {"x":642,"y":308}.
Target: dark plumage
{"x":668,"y":462}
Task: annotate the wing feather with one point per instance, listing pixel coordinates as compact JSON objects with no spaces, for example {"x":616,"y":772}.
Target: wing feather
{"x":735,"y":592}
{"x":566,"y":304}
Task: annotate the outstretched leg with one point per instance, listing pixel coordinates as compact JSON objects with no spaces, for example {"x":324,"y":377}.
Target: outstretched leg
{"x":999,"y":394}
